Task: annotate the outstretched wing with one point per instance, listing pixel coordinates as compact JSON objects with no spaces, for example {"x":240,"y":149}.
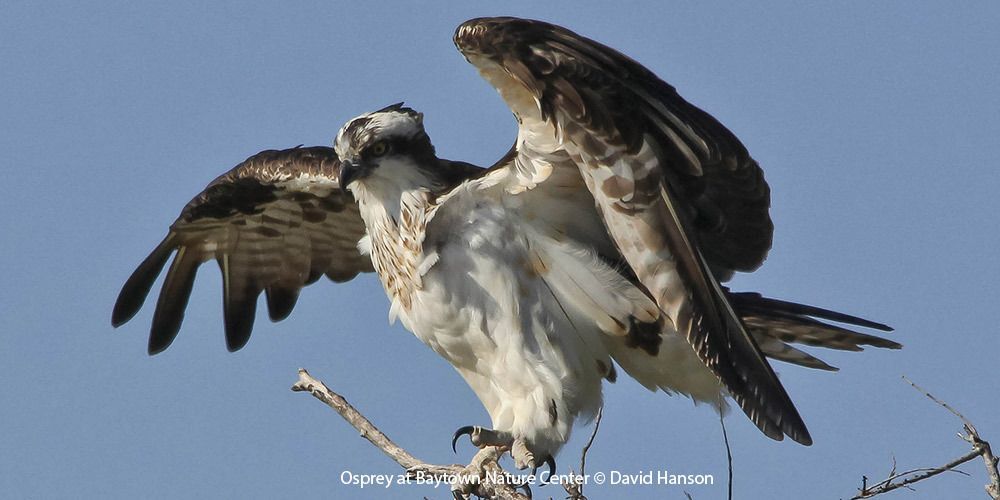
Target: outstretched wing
{"x":274,"y":223}
{"x":678,"y":193}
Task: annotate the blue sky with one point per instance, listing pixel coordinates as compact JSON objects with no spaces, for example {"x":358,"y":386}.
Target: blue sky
{"x":877,"y":126}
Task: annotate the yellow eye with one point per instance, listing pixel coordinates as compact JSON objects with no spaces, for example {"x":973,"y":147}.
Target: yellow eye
{"x":380,"y":148}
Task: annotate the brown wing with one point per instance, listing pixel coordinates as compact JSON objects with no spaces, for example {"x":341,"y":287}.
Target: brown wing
{"x":678,"y":193}
{"x":274,"y":223}
{"x":722,"y":189}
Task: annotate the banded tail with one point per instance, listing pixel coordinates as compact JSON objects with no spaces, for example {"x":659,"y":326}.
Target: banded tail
{"x":775,"y":324}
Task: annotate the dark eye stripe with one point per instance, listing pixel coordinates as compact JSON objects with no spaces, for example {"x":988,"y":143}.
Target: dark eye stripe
{"x":398,"y":145}
{"x":418,"y":146}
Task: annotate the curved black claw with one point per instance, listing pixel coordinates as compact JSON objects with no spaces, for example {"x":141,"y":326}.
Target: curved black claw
{"x":551,"y":462}
{"x":462,"y":431}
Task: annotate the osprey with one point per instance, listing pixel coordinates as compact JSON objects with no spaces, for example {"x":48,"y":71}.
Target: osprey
{"x":601,"y":238}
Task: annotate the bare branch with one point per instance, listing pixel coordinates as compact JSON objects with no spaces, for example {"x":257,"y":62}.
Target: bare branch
{"x":973,"y":438}
{"x":473,"y":479}
{"x":911,"y":476}
{"x":980,"y":448}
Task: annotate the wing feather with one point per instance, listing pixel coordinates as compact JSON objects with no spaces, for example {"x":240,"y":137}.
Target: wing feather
{"x":137,"y":287}
{"x":677,"y":191}
{"x":274,"y":223}
{"x":173,"y":300}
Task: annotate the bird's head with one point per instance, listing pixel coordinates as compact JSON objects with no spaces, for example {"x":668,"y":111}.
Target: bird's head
{"x":385,"y":151}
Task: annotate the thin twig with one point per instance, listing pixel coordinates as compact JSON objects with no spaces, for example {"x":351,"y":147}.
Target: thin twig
{"x":575,"y":488}
{"x":590,"y":442}
{"x":980,"y":448}
{"x":729,"y":454}
{"x":886,"y":485}
{"x":473,"y":479}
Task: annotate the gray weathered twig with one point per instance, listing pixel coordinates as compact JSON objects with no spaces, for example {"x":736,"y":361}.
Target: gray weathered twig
{"x":980,"y":448}
{"x":729,"y":455}
{"x":575,"y":488}
{"x":484,"y":464}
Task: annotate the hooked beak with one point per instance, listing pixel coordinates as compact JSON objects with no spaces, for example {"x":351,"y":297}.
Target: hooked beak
{"x":350,"y":172}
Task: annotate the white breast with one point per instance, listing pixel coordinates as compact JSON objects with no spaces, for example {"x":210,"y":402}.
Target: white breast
{"x":484,"y":308}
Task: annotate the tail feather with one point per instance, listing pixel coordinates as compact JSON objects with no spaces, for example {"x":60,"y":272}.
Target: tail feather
{"x":753,"y":301}
{"x":777,"y":323}
{"x":776,"y":349}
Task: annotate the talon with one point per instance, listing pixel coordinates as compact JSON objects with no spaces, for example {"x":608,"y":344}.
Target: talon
{"x":462,"y":431}
{"x":551,"y":462}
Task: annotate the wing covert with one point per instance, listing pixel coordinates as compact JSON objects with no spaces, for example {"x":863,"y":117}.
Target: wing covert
{"x":274,"y":223}
{"x":572,"y":81}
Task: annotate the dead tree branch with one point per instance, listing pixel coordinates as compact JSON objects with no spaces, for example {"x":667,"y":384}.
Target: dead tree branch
{"x":477,"y":478}
{"x":980,"y":448}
